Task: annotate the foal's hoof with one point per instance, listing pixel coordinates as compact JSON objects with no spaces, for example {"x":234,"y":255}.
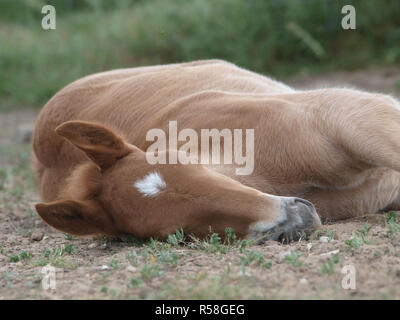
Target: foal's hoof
{"x":298,"y":219}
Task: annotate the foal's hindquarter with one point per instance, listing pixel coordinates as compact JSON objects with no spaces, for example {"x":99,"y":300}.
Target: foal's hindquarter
{"x":334,"y":147}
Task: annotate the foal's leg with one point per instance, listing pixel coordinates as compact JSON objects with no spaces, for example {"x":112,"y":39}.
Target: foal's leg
{"x":366,"y":128}
{"x":368,"y":132}
{"x":380,"y":191}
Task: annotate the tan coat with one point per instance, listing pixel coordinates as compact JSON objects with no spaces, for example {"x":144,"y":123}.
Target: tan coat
{"x":334,"y":147}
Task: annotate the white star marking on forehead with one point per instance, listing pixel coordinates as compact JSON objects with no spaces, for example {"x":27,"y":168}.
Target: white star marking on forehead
{"x":150,"y":185}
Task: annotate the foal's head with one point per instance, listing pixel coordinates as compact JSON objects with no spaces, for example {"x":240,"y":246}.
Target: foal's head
{"x":117,"y":191}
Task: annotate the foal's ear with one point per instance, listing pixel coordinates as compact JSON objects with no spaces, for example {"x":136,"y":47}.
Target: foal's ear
{"x":100,"y":143}
{"x":74,"y":217}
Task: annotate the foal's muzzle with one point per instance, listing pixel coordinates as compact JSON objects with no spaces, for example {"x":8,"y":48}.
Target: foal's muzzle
{"x":297,"y":218}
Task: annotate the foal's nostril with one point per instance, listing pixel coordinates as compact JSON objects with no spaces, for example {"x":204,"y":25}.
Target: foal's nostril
{"x":307,"y":203}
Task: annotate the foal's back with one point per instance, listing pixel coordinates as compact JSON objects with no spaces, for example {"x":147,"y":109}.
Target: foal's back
{"x":127,"y":99}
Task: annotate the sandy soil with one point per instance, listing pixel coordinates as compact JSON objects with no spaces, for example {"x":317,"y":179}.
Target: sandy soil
{"x":127,"y":268}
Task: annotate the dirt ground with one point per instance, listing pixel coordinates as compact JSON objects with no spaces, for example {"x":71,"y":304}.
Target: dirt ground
{"x":128,"y":268}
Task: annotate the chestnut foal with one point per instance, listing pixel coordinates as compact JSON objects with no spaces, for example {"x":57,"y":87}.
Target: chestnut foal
{"x":337,"y":148}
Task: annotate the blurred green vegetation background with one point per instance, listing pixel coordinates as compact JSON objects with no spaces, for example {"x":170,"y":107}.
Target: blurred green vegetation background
{"x":274,"y":37}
